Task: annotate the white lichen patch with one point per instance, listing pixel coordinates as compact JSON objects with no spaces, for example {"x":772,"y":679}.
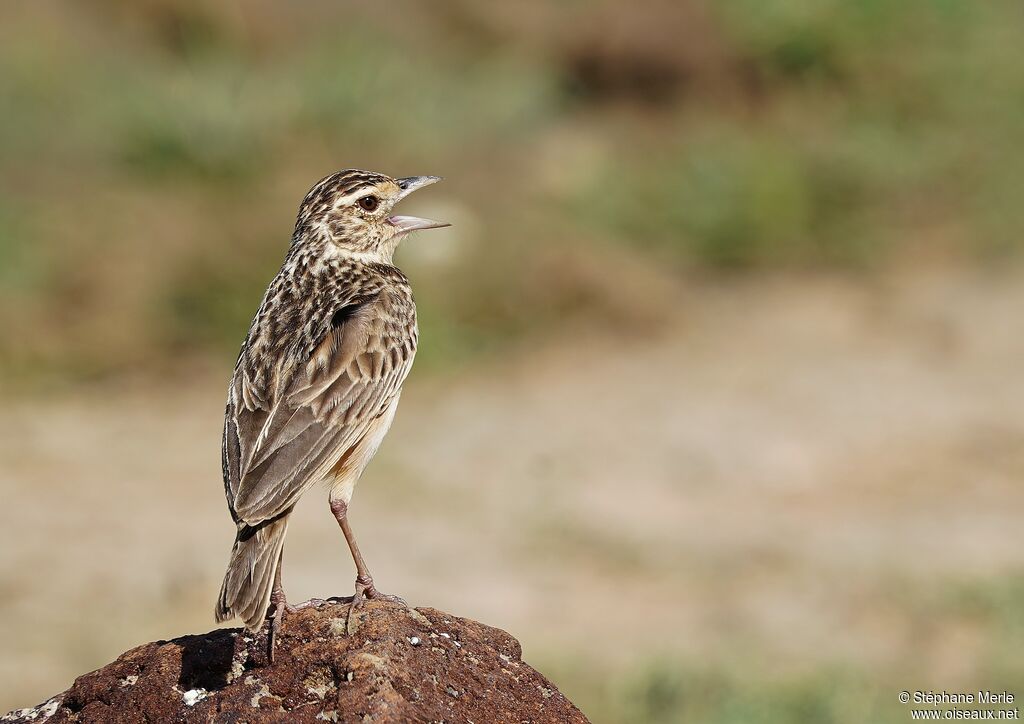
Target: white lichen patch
{"x":419,"y":618}
{"x":414,"y":640}
{"x":194,"y":696}
{"x":50,"y":708}
{"x":261,"y":692}
{"x":449,"y":637}
{"x":545,"y":691}
{"x":237,"y":669}
{"x":128,"y":681}
{"x":319,"y":683}
{"x":238,"y":664}
{"x":327,"y":716}
{"x":320,"y":690}
{"x":35,"y":713}
{"x":354,"y":622}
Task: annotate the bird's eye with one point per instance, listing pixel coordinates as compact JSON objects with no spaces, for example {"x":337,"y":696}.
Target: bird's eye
{"x":368,"y":202}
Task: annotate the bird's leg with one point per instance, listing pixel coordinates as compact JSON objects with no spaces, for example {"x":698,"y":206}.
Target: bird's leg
{"x":279,"y":603}
{"x":364,"y":581}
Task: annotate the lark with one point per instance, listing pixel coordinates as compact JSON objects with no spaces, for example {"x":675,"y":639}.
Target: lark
{"x":317,"y":382}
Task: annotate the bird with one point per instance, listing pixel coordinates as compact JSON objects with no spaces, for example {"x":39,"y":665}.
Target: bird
{"x":317,"y":382}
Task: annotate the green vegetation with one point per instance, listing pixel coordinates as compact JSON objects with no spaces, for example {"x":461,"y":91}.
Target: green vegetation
{"x":154,"y":155}
{"x":663,"y":694}
{"x":757,"y":687}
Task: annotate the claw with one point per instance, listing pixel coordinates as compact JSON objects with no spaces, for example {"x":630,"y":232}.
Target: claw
{"x":365,"y":590}
{"x":280,"y":603}
{"x":317,"y":603}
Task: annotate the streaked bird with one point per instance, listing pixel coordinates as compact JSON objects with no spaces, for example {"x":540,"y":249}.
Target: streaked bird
{"x":317,"y":381}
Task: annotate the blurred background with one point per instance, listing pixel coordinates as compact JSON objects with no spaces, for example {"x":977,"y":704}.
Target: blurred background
{"x":718,"y":407}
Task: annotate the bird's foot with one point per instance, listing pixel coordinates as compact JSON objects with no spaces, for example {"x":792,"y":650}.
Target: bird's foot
{"x":279,"y":604}
{"x":365,"y":591}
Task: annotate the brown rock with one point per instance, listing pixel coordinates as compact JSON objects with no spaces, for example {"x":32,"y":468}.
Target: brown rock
{"x":388,"y":664}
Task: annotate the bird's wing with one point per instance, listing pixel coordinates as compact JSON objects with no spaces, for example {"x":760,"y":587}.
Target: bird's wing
{"x":278,"y":443}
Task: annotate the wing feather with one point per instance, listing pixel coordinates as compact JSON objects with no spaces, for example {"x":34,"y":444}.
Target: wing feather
{"x":277,"y":444}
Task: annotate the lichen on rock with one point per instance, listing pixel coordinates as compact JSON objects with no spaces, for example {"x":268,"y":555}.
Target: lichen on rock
{"x":391,"y":664}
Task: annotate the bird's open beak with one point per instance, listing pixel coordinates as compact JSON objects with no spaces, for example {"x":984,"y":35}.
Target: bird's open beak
{"x":415,"y":223}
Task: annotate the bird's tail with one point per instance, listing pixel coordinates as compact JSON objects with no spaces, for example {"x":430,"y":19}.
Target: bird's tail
{"x":249,"y":581}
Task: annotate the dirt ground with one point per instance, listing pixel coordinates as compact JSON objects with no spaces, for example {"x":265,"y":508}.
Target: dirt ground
{"x":796,"y":464}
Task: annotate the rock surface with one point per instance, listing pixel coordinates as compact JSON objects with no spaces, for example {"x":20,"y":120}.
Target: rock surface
{"x":386,"y":663}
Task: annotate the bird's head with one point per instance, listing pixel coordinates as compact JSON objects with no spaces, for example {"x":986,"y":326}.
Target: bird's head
{"x":351,"y":210}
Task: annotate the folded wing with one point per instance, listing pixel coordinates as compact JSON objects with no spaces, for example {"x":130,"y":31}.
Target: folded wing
{"x":285,"y":433}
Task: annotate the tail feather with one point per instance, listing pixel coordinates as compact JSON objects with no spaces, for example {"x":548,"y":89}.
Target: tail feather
{"x":249,"y":580}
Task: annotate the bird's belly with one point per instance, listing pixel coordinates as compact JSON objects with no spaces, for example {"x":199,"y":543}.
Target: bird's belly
{"x":349,"y":468}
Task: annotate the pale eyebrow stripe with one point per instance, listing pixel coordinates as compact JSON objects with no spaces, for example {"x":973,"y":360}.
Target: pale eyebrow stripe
{"x":356,"y":191}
